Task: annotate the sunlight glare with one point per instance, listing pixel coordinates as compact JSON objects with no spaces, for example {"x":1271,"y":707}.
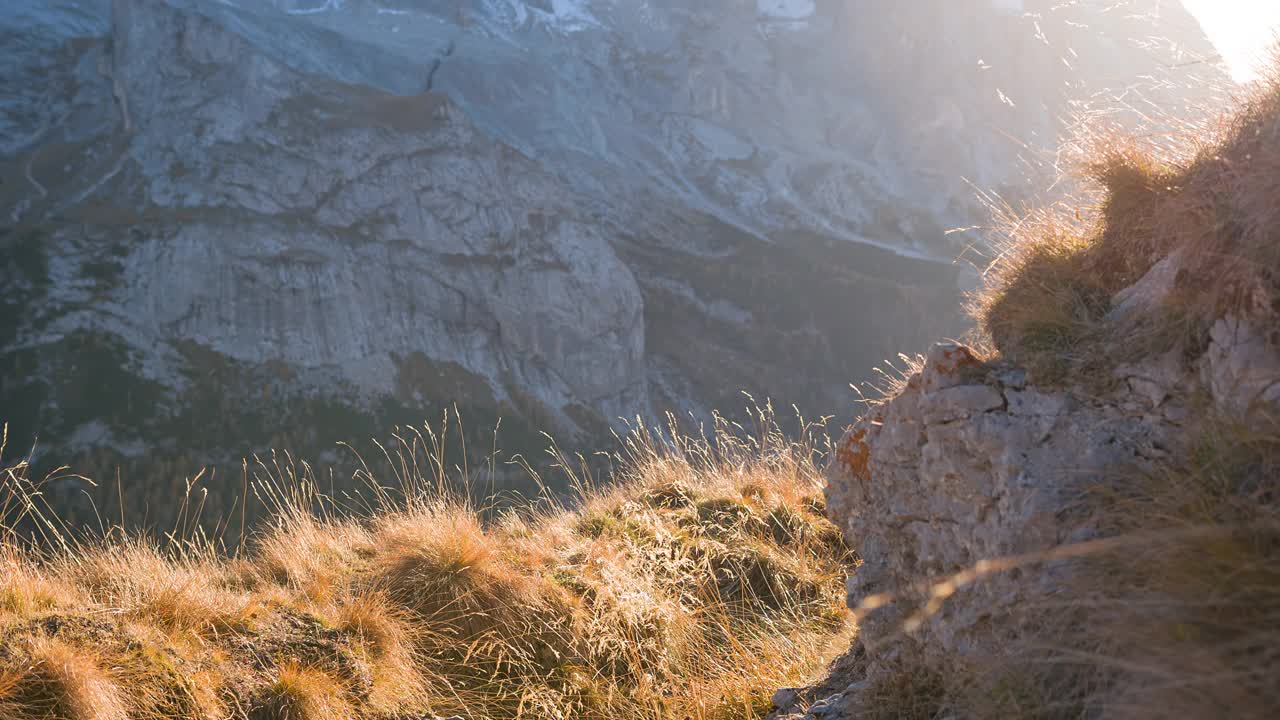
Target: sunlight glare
{"x":1242,"y":30}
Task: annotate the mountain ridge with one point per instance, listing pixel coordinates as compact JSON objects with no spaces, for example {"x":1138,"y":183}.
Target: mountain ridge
{"x":647,"y":213}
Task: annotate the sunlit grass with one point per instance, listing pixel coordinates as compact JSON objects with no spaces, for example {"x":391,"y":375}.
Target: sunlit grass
{"x":701,"y":576}
{"x":1203,"y":207}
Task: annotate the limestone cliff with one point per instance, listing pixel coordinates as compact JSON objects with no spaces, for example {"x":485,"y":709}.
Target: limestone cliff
{"x":230,"y":220}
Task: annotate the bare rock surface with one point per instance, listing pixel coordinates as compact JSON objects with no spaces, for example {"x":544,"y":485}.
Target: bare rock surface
{"x":963,"y":466}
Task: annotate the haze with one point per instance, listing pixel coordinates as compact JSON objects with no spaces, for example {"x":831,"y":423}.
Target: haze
{"x":1242,"y":30}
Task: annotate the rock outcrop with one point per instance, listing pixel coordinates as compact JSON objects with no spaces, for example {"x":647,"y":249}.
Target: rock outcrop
{"x":949,"y":486}
{"x":971,"y":490}
{"x":969,"y":463}
{"x":227,"y":220}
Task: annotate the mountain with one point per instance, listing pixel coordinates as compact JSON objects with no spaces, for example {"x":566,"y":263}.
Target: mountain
{"x":230,"y":220}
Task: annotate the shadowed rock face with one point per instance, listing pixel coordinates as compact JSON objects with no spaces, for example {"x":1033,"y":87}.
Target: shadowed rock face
{"x":971,"y":463}
{"x":226,"y":220}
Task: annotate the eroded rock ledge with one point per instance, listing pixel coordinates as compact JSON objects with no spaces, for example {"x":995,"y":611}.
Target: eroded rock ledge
{"x":969,"y":462}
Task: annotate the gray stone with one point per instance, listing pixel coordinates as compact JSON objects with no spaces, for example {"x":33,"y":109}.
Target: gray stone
{"x":947,"y":365}
{"x":829,"y":707}
{"x":962,"y":402}
{"x":1242,"y":365}
{"x":955,"y":475}
{"x":785,"y":697}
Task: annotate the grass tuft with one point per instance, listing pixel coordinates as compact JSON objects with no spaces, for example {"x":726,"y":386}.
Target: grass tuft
{"x":47,"y":678}
{"x":304,"y":693}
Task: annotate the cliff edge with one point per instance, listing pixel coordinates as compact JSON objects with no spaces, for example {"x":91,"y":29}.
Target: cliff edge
{"x":1081,"y":521}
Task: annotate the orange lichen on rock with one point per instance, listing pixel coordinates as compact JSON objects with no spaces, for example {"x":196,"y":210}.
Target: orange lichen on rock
{"x":956,"y":359}
{"x":855,"y":455}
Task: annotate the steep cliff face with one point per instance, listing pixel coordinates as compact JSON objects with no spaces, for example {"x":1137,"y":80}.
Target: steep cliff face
{"x":225,"y":218}
{"x":1021,"y":520}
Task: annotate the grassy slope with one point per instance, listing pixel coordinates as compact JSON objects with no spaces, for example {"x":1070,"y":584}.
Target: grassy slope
{"x":695,"y":585}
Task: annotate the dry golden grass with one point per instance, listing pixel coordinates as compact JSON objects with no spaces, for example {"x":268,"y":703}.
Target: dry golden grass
{"x":25,"y":590}
{"x":387,"y":640}
{"x":692,"y":585}
{"x":1191,"y":619}
{"x":178,"y":594}
{"x":1206,"y":203}
{"x":304,"y":693}
{"x":47,"y":678}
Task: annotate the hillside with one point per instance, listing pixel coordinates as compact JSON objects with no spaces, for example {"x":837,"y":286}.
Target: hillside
{"x":1080,"y":517}
{"x":706,"y":577}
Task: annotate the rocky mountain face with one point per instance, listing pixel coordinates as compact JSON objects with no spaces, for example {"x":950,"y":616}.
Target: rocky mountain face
{"x":226,"y":221}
